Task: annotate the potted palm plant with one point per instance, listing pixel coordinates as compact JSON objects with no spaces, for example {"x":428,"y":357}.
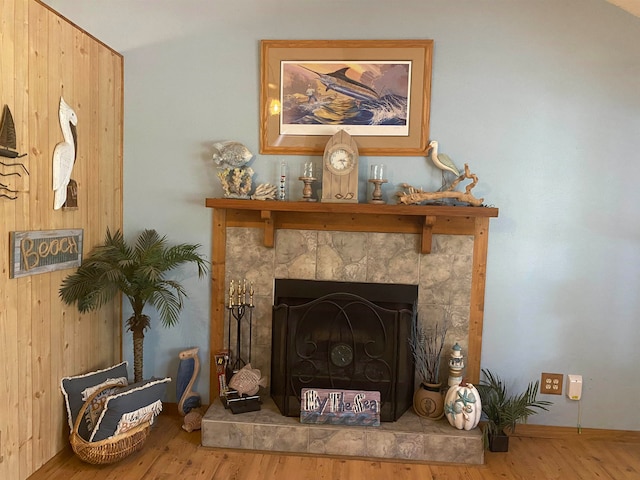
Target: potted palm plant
{"x":138,"y":271}
{"x":502,"y":411}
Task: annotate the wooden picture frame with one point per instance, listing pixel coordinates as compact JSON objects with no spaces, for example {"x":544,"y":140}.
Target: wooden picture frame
{"x":303,"y":80}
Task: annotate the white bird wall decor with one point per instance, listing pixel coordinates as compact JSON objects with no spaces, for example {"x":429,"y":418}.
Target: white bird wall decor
{"x":442,"y":161}
{"x":64,"y":154}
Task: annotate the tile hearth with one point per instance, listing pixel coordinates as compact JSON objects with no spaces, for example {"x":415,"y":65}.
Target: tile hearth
{"x":410,"y":438}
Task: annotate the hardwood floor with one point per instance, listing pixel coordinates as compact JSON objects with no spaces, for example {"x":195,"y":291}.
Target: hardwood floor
{"x":171,"y":453}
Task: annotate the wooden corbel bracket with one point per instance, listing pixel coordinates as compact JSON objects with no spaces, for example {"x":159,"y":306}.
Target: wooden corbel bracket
{"x":269,"y":231}
{"x":427,"y":232}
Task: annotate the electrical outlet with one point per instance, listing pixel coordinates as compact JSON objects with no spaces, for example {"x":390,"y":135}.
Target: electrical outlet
{"x":551,"y":383}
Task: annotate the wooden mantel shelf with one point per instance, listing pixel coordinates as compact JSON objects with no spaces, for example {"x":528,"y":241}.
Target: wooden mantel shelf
{"x":358,"y":217}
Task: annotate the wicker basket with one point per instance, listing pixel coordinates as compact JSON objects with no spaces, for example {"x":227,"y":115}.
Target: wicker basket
{"x":111,"y":449}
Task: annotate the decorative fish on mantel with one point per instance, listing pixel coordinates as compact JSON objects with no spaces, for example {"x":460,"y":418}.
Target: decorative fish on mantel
{"x":231,"y":154}
{"x":8,"y":135}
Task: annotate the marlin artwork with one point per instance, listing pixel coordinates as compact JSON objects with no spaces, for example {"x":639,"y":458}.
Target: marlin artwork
{"x":339,"y":82}
{"x":369,"y":97}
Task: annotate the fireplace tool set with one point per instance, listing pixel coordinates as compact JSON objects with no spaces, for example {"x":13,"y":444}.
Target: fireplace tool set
{"x":239,"y":394}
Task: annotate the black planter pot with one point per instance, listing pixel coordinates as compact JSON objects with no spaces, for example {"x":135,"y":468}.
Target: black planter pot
{"x":499,"y":442}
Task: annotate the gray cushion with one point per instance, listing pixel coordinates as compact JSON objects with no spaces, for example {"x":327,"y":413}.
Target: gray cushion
{"x":128,"y":399}
{"x":72,"y":388}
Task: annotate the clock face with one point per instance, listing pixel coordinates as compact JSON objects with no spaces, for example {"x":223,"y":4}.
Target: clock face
{"x":341,"y":355}
{"x":340,"y":161}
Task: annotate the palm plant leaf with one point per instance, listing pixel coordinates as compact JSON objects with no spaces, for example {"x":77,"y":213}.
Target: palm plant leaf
{"x":168,"y":299}
{"x":138,"y":272}
{"x":503,"y":411}
{"x":180,"y":254}
{"x":100,"y":277}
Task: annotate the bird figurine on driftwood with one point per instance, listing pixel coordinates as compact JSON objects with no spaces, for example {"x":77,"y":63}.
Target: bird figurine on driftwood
{"x":443,"y":162}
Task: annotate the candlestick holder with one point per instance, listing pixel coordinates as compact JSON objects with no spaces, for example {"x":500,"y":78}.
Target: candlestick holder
{"x":376,"y":195}
{"x":306,"y":190}
{"x":377,"y":177}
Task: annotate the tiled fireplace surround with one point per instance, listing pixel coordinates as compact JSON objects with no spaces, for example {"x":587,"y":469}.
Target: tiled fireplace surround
{"x":444,"y":279}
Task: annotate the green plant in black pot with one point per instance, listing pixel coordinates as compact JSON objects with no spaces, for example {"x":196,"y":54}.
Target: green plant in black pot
{"x":139,"y":272}
{"x":502,"y":410}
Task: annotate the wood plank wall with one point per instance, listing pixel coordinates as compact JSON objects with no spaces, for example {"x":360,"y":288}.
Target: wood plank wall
{"x":43,"y":57}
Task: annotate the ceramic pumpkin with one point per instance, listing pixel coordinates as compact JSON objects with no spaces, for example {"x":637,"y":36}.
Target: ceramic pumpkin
{"x":462,"y":406}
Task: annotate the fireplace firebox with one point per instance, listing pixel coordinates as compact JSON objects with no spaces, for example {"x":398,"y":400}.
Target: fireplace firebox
{"x":342,"y":335}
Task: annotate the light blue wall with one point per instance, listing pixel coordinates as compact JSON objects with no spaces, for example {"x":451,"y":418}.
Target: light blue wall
{"x":541,"y":98}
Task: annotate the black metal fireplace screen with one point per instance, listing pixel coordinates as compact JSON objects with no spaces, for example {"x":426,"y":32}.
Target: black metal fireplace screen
{"x":340,"y":335}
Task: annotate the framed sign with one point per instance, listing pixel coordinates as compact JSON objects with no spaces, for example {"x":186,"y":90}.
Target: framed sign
{"x":43,"y":251}
{"x":340,"y":407}
{"x":376,"y":90}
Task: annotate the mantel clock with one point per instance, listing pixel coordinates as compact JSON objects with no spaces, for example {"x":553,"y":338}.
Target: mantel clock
{"x":340,"y":169}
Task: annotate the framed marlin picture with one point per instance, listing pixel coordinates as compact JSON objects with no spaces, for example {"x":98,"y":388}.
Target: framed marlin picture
{"x":378,"y":91}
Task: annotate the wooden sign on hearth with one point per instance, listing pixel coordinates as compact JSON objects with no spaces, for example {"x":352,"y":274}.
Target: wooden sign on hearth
{"x":340,"y":407}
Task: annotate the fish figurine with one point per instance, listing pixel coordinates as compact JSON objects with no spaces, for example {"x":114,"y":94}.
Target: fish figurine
{"x":192,"y":421}
{"x":231,"y":154}
{"x":247,"y":380}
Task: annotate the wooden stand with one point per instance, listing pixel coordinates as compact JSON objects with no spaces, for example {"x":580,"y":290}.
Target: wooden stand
{"x":306,"y":190}
{"x":240,"y":403}
{"x":376,"y":196}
